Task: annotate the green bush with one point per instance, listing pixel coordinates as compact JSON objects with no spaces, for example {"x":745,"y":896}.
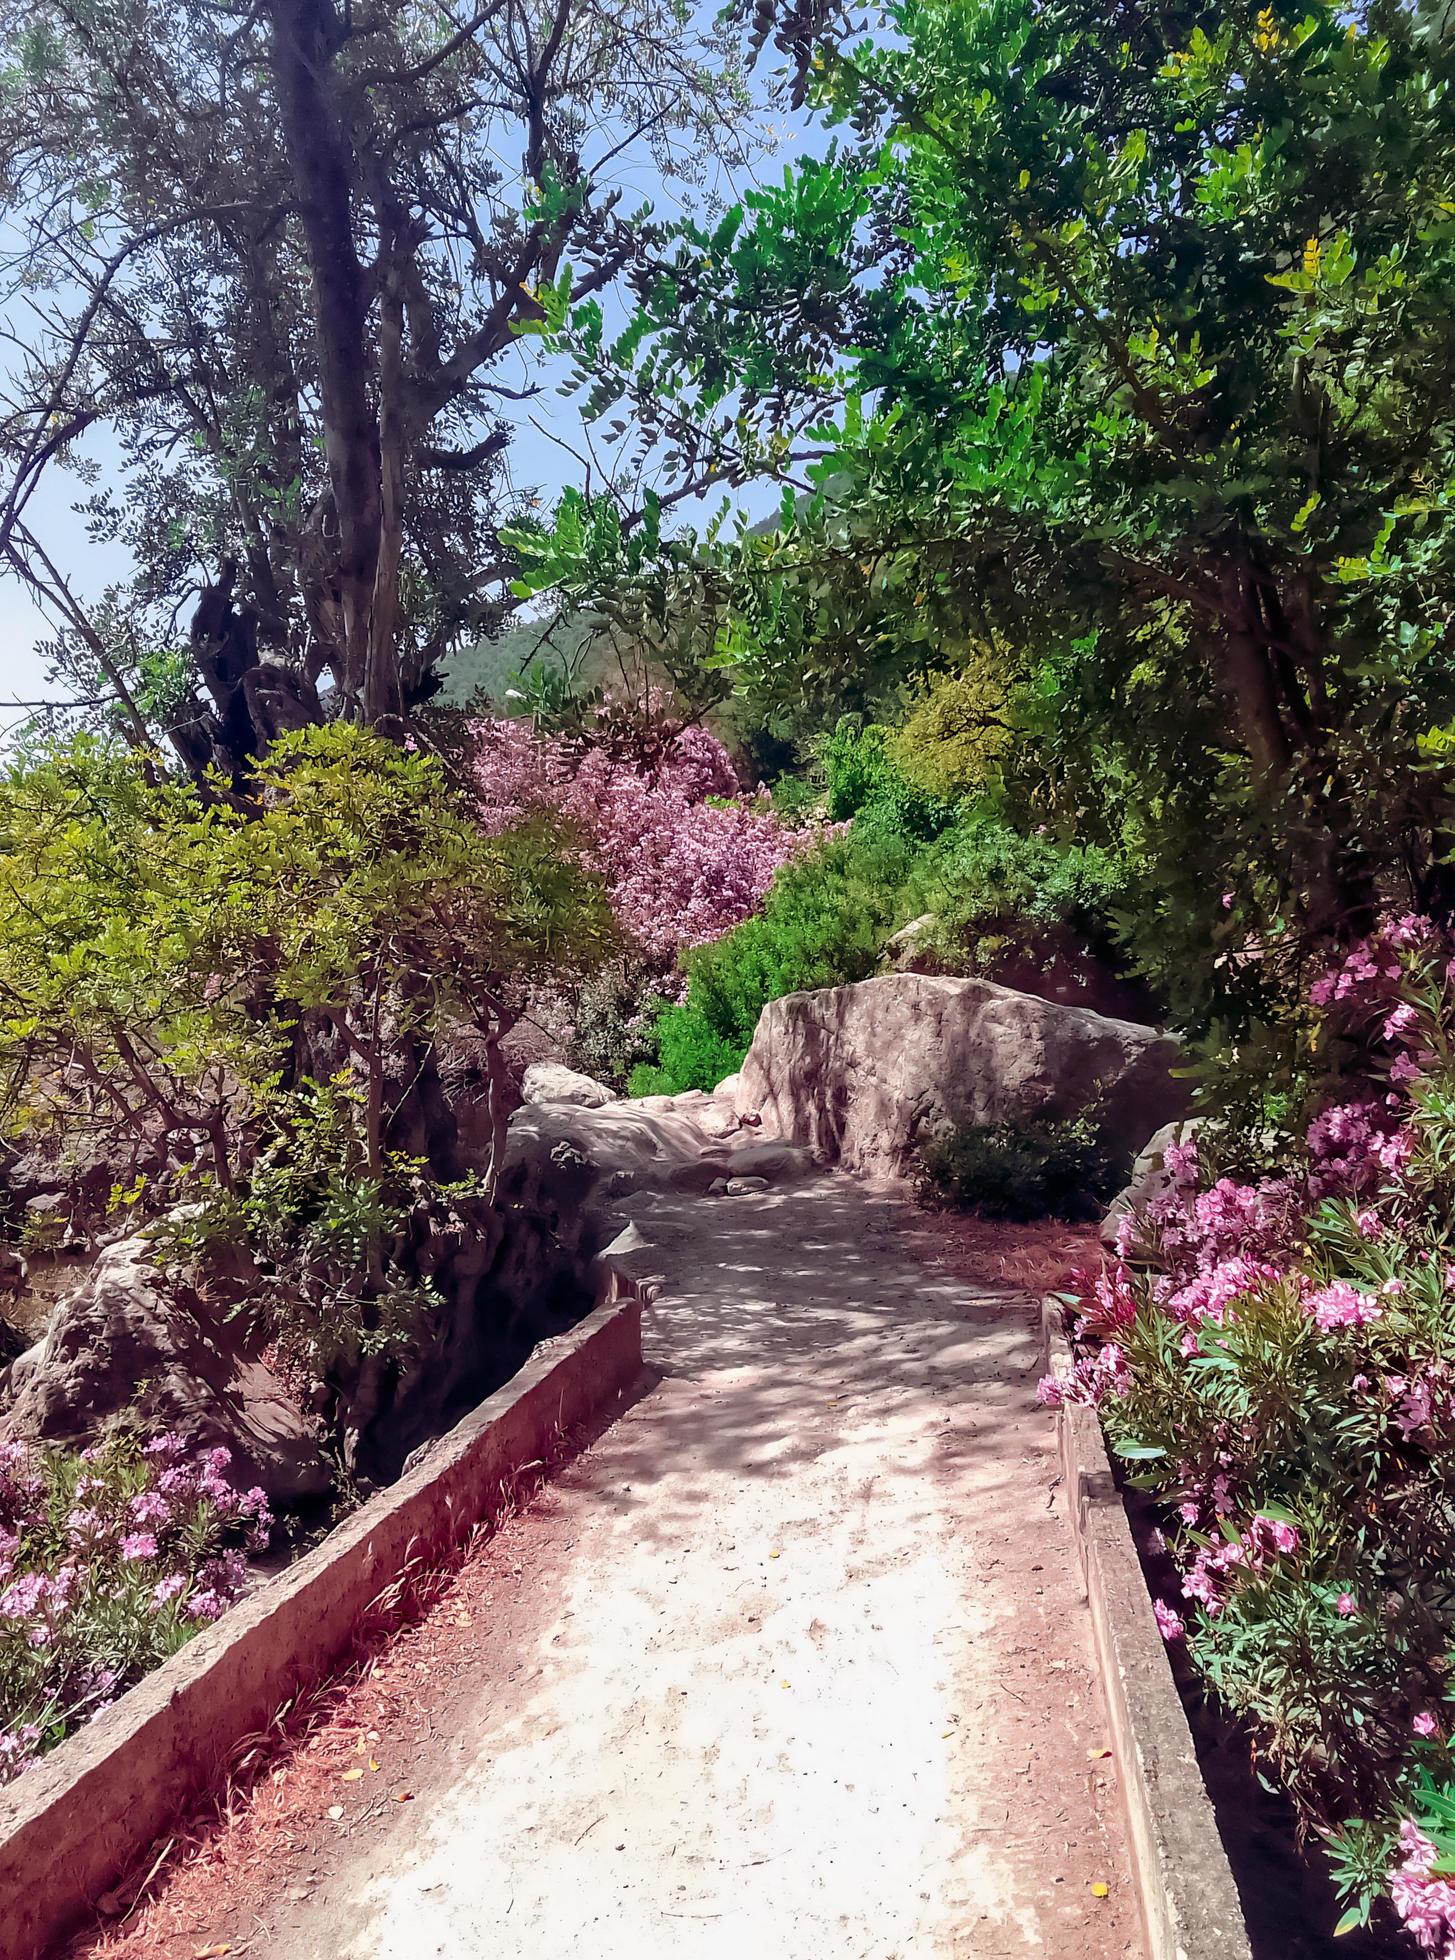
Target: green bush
{"x":828,"y":917}
{"x":824,"y":924}
{"x":861,"y":780}
{"x":1021,"y":1170}
{"x":982,"y":876}
{"x":613,"y":1030}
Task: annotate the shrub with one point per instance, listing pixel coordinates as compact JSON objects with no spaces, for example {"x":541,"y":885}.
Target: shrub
{"x":958,"y":732}
{"x":1282,"y":1378}
{"x":169,"y":957}
{"x":1021,"y":1170}
{"x":824,"y":923}
{"x":862,"y":780}
{"x":316,"y":1246}
{"x":109,"y":1561}
{"x":613,"y":1019}
{"x":982,"y":875}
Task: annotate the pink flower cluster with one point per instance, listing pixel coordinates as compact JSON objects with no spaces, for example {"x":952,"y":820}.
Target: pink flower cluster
{"x":107,"y":1561}
{"x":1250,"y":1553}
{"x":1424,"y":1900}
{"x":679,"y":870}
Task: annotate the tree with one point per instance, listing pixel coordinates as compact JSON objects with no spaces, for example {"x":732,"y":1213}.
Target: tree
{"x":172,"y":966}
{"x":1132,"y":362}
{"x":279,"y":252}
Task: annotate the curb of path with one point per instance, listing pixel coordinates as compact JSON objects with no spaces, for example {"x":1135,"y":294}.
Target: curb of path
{"x":72,"y":1824}
{"x":1189,"y":1901}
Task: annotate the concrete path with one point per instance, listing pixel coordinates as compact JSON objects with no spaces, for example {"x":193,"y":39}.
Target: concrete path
{"x":806,"y":1672}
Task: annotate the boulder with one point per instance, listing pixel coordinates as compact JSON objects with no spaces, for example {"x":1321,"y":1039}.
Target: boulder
{"x":864,"y":1075}
{"x":656,"y":1143}
{"x":1148,"y":1179}
{"x":553,"y":1082}
{"x":905,"y":948}
{"x":125,"y":1341}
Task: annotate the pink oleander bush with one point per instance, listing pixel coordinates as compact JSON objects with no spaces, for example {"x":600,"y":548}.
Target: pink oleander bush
{"x":684,"y":853}
{"x":1275,"y":1360}
{"x":110,"y":1560}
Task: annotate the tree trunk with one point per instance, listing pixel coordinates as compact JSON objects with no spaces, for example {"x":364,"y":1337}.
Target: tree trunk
{"x":306,"y":37}
{"x":1271,"y":664}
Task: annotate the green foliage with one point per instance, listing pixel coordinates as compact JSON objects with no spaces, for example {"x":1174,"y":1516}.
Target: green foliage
{"x":861,"y":779}
{"x":1021,"y":1170}
{"x":1118,"y":354}
{"x":827,"y":920}
{"x":958,"y":733}
{"x":983,"y":880}
{"x":613,"y":1013}
{"x":169,"y":957}
{"x":824,"y":923}
{"x":315,"y":1246}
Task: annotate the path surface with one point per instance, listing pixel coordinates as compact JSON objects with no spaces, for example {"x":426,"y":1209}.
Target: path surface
{"x":794,"y":1662}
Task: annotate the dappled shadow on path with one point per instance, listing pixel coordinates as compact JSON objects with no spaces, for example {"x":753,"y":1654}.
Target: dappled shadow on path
{"x":805,"y":1323}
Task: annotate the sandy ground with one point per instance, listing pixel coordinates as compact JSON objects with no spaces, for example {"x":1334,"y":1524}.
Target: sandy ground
{"x":792,"y":1661}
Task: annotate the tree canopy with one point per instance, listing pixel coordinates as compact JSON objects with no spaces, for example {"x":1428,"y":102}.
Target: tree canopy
{"x":1121,"y":346}
{"x":278,"y":253}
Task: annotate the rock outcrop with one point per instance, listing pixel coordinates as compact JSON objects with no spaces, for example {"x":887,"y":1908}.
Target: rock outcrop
{"x":864,"y":1075}
{"x":553,"y":1082}
{"x":660,"y":1143}
{"x":123,"y":1340}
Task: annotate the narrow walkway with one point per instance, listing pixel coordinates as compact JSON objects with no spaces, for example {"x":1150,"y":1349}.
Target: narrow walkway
{"x":798,"y":1664}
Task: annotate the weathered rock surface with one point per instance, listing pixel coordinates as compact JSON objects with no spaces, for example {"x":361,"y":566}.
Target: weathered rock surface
{"x":1148,"y":1178}
{"x":659,"y":1143}
{"x":553,"y":1082}
{"x":122,"y":1340}
{"x":863,"y":1075}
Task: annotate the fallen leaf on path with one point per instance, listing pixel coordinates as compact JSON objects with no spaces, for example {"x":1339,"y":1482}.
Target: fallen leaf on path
{"x":212,"y":1952}
{"x":335,"y":1811}
{"x":351,"y":1776}
{"x":372,"y":1763}
{"x":1101,"y":1890}
{"x":404,"y":1796}
{"x":1095,"y":1755}
{"x":775,"y":1553}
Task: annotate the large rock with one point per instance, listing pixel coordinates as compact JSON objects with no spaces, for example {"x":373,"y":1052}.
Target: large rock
{"x":658,"y":1143}
{"x":864,"y":1075}
{"x":553,"y":1082}
{"x":124,"y":1341}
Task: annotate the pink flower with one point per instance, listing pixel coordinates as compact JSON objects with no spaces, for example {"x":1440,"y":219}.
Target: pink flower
{"x":678,"y":870}
{"x":1399,"y":1023}
{"x":1368,"y":1224}
{"x":1346,"y":1606}
{"x":21,"y":1599}
{"x":1423,"y":1723}
{"x":1169,"y":1623}
{"x":138,"y":1545}
{"x":1342,"y":1305}
{"x":166,"y":1590}
{"x":1424,"y":1902}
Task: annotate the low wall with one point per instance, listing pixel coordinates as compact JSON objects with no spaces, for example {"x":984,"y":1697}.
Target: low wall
{"x":71,"y":1825}
{"x":1188,"y":1897}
